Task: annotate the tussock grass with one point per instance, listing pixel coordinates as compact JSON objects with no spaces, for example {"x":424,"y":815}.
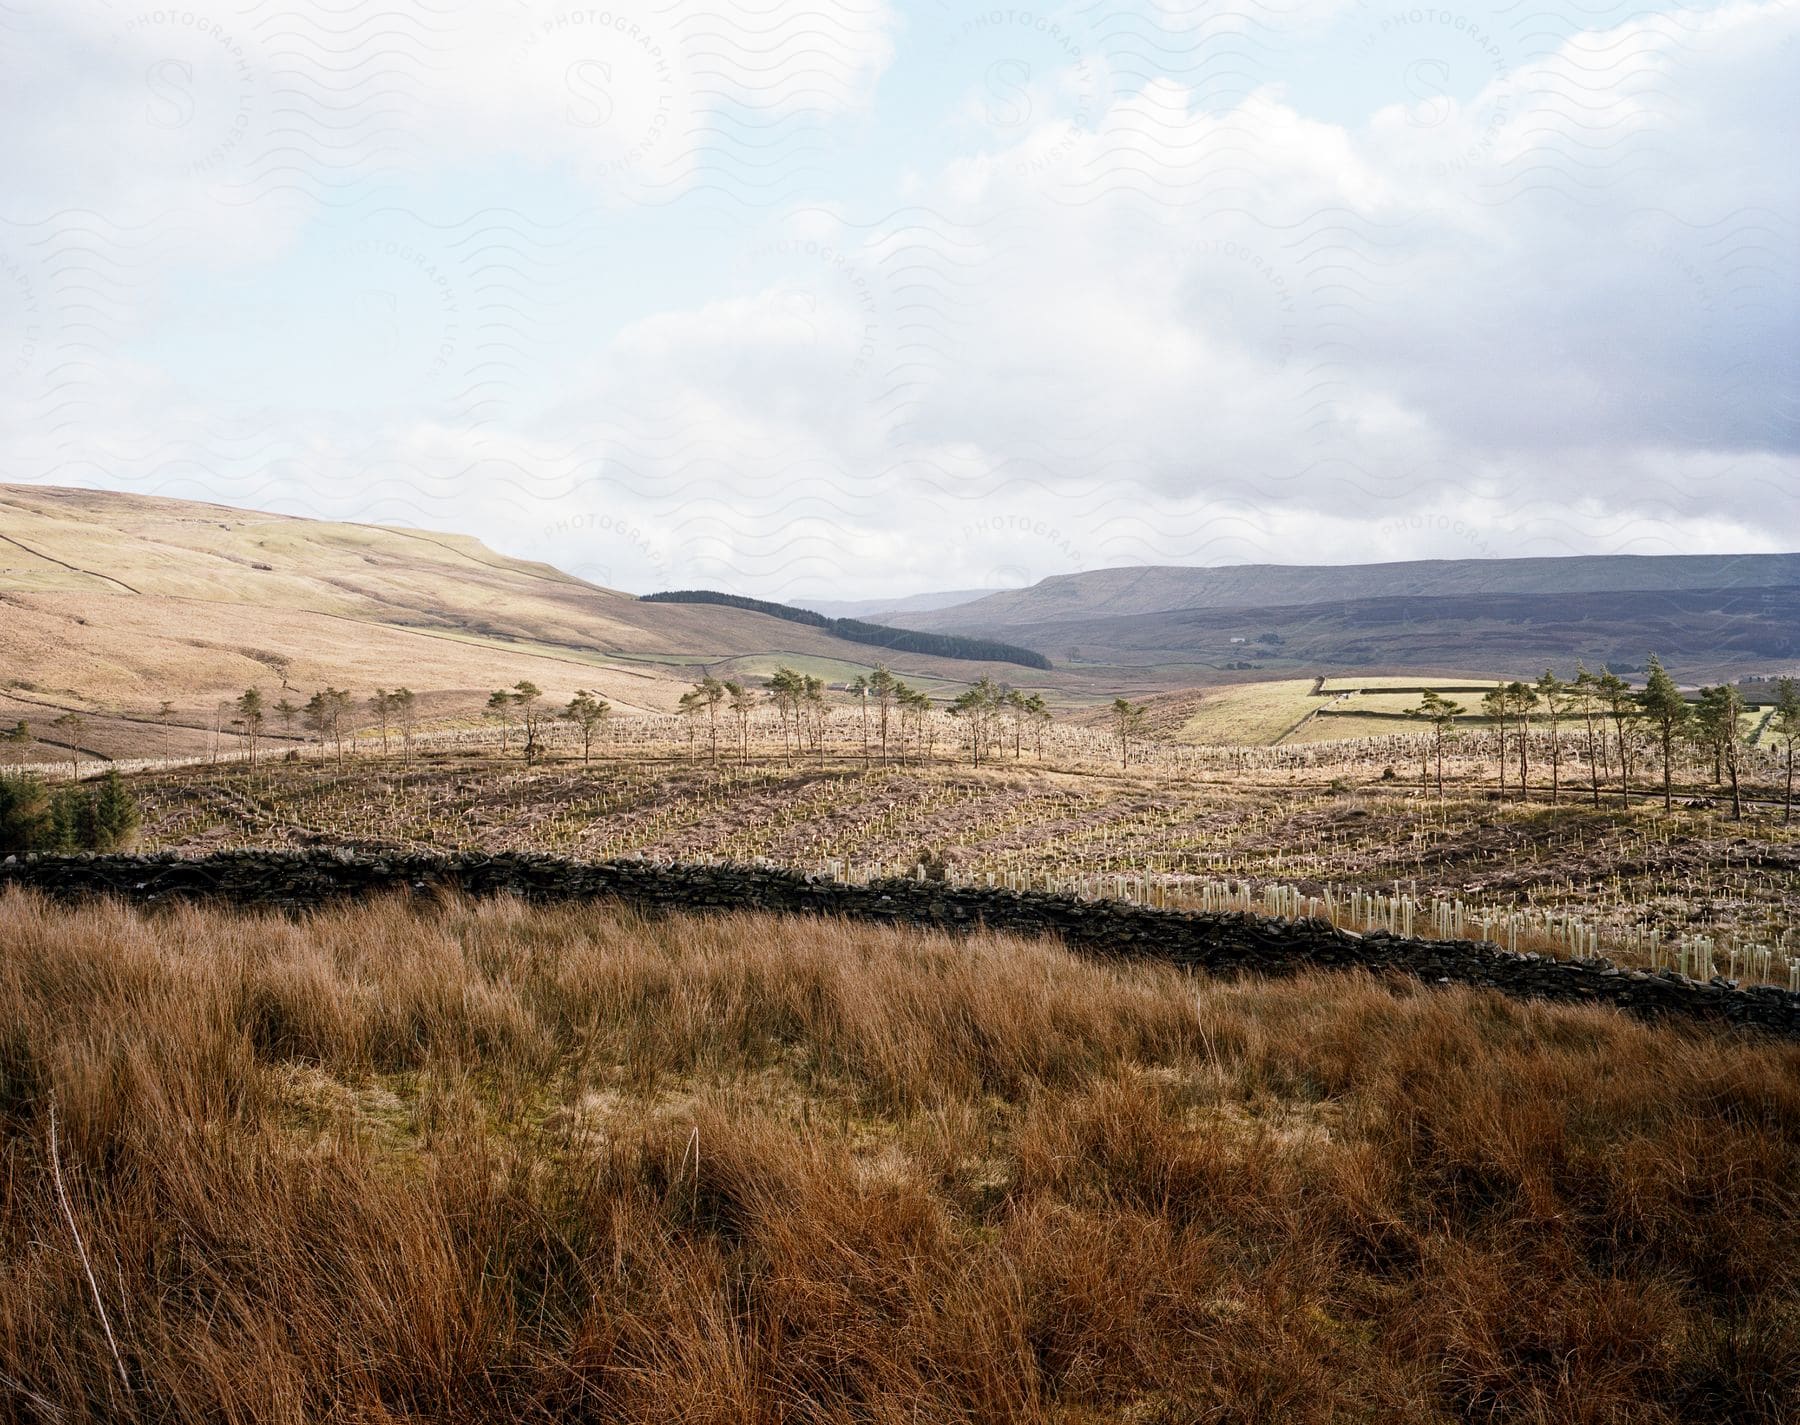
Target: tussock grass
{"x":478,"y":1161}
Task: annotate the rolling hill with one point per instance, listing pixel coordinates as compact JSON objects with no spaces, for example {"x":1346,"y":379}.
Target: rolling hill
{"x":111,"y":603}
{"x":1156,"y":589}
{"x":1709,"y":615}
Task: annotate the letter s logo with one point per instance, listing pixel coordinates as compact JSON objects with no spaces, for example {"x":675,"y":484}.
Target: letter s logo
{"x":1428,"y":79}
{"x":170,"y":82}
{"x":592,"y":107}
{"x":1009,"y":94}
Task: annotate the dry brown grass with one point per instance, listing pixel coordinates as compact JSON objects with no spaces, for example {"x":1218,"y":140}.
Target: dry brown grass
{"x":483,"y":1162}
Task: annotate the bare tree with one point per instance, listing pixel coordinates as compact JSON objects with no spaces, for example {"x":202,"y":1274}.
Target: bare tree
{"x":861,"y":688}
{"x":72,"y":725}
{"x":406,"y":708}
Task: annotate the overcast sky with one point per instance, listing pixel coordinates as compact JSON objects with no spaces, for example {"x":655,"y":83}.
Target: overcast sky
{"x":871,"y":298}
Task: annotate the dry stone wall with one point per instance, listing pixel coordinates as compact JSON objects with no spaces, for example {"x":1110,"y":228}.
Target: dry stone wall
{"x":1218,"y":943}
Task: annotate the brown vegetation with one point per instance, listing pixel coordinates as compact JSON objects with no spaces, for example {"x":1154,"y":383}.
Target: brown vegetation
{"x":485,"y":1162}
{"x":1687,"y":872}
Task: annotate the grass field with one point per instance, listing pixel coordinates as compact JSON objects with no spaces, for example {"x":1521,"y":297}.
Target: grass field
{"x":1253,"y":714}
{"x":475,"y":1162}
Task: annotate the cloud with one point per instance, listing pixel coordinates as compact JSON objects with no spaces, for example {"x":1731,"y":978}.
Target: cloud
{"x":1151,"y":305}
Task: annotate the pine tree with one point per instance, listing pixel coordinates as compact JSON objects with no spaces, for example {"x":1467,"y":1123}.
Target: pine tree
{"x":25,"y":813}
{"x":587,"y":712}
{"x":115,"y":814}
{"x":1786,"y":726}
{"x":861,"y":688}
{"x":381,"y":703}
{"x":743,"y":703}
{"x":786,"y":688}
{"x":1040,"y":719}
{"x":883,"y":687}
{"x":250,"y":713}
{"x":1522,"y":700}
{"x":525,"y":696}
{"x":1554,"y":694}
{"x":1720,"y":712}
{"x":500,"y":705}
{"x":1128,"y":724}
{"x":1668,"y":712}
{"x":1616,"y":694}
{"x":1442,"y":714}
{"x":1498,"y":708}
{"x":1584,"y":702}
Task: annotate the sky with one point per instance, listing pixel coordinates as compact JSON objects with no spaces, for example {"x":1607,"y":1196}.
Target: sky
{"x":872,"y":298}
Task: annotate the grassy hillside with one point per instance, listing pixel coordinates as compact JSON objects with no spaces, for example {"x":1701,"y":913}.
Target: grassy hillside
{"x":479,"y":1162}
{"x":111,"y":603}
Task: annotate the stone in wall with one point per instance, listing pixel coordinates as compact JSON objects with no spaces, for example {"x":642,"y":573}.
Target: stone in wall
{"x":1218,"y":943}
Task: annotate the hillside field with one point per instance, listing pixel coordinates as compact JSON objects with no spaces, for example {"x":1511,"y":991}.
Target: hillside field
{"x":111,"y":604}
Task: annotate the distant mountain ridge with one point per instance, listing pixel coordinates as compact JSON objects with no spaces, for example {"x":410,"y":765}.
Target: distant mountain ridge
{"x":1162,"y":589}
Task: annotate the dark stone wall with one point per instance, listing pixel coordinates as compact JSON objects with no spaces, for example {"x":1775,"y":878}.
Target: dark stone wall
{"x":1217,"y":943}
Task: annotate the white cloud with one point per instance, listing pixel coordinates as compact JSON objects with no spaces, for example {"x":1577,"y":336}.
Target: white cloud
{"x":1178,"y":329}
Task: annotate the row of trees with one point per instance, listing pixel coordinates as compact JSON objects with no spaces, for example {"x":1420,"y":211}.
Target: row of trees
{"x":522,"y":706}
{"x":895,"y":717}
{"x":901,"y":713}
{"x":1615,"y":718}
{"x":992,"y":712}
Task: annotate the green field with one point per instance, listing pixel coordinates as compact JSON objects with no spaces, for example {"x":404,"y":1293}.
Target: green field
{"x":1252,"y":714}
